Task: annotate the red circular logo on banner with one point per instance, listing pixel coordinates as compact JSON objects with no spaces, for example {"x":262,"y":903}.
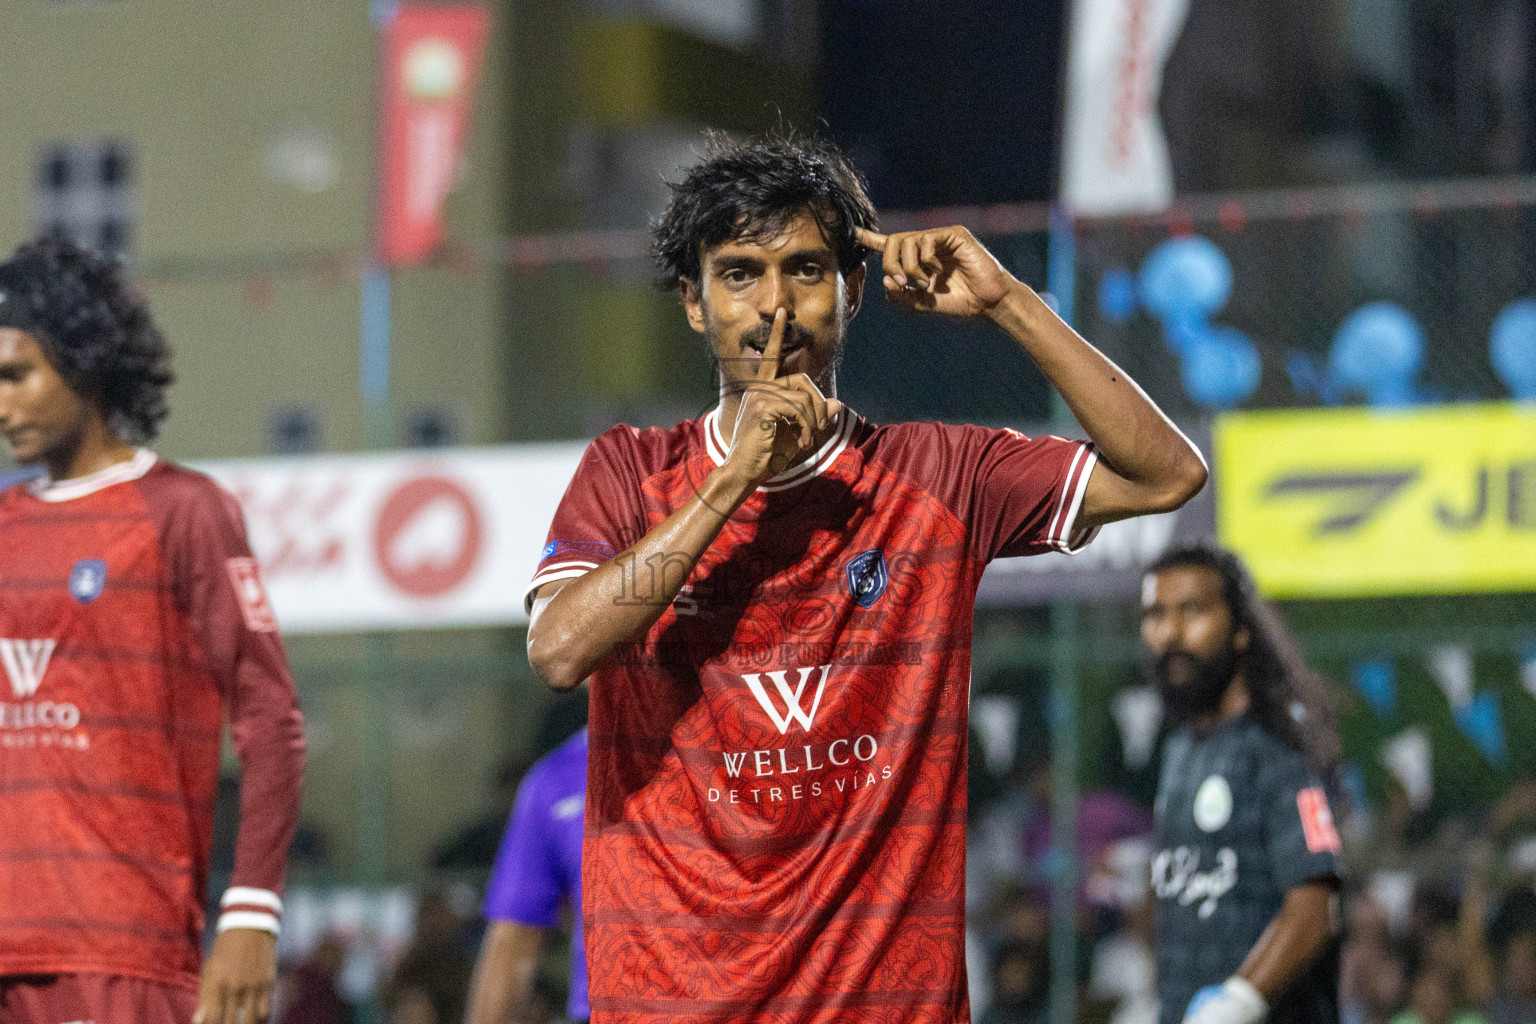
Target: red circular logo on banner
{"x":428,"y":536}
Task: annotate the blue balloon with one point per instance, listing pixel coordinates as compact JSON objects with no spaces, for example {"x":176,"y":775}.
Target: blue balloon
{"x":1187,"y":278}
{"x":1183,"y":332}
{"x":1377,"y":683}
{"x":1378,"y":350}
{"x":1117,"y":295}
{"x":1221,"y":367}
{"x":1482,"y":722}
{"x":1512,"y":348}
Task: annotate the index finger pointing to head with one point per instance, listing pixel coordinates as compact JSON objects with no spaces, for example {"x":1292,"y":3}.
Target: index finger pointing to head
{"x":768,"y":369}
{"x":870,"y":239}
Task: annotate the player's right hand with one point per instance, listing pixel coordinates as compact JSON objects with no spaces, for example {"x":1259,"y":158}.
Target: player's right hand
{"x":778,"y":418}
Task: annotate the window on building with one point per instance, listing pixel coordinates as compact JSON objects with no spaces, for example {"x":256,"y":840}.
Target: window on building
{"x":432,"y":428}
{"x":293,"y":430}
{"x":86,"y":189}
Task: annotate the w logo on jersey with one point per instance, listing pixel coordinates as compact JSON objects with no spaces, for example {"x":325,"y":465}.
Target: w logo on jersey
{"x":25,"y":662}
{"x":794,"y":711}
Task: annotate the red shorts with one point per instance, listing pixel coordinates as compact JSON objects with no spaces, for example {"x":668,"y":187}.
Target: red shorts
{"x":92,"y":999}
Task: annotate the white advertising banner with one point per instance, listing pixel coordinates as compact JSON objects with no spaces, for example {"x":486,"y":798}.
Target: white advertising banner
{"x":1114,"y":153}
{"x":400,"y":539}
{"x":403,"y":540}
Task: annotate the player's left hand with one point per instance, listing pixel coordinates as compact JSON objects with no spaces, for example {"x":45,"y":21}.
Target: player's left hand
{"x":941,"y":270}
{"x":1235,"y":1002}
{"x":238,"y":978}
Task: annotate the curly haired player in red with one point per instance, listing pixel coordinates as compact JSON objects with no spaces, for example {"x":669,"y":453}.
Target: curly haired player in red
{"x":774,"y":603}
{"x":132,"y":623}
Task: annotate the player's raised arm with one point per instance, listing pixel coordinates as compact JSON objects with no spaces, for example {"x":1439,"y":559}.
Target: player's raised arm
{"x":1145,"y":463}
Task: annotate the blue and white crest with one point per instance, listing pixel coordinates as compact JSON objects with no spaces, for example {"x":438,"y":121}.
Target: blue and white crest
{"x":87,"y":580}
{"x":550,"y":549}
{"x":867,"y":577}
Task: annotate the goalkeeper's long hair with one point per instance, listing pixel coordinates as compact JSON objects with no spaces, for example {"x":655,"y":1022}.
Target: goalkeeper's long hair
{"x":1287,"y":697}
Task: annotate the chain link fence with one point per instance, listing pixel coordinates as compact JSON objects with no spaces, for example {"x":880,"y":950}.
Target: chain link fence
{"x":1388,"y":295}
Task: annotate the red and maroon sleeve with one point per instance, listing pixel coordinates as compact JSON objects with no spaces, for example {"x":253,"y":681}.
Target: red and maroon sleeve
{"x":599,"y":516}
{"x":219,"y":588}
{"x":1018,"y":495}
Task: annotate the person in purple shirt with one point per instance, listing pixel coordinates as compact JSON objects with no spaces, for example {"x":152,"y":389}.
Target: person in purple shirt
{"x":538,"y":868}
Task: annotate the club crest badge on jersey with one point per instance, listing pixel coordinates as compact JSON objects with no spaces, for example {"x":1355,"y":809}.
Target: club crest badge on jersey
{"x":1213,"y":804}
{"x":867,"y":577}
{"x":87,"y":580}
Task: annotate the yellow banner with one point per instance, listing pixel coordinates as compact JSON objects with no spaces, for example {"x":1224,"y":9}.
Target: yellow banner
{"x":1362,"y":502}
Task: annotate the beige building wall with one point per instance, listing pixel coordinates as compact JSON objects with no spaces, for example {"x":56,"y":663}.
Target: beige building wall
{"x":254,"y":278}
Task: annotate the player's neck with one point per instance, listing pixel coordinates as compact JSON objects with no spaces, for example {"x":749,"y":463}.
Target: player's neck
{"x":1234,"y":702}
{"x":96,"y":449}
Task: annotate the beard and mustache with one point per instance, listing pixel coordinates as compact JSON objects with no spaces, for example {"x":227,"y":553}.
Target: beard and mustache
{"x":796,"y":336}
{"x":1201,"y":682}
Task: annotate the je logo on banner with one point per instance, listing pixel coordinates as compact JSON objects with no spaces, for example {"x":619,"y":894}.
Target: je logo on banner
{"x":1356,"y":502}
{"x":428,"y":537}
{"x":794,"y":711}
{"x":25,"y":662}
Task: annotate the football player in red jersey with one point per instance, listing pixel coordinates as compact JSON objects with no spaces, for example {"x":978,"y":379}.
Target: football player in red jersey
{"x":774,"y":603}
{"x":132,"y":623}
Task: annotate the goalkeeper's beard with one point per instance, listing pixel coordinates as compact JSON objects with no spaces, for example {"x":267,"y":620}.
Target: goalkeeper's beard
{"x":1204,"y":682}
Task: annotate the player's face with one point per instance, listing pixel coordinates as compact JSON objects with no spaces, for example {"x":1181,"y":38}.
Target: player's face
{"x":39,"y":414}
{"x":745,"y":282}
{"x":1188,"y":630}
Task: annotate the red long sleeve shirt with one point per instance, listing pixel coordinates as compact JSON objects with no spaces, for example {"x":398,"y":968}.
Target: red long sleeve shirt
{"x":132,"y":625}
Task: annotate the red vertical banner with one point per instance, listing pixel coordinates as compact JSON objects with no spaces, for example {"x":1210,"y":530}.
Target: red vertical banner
{"x":432,"y":56}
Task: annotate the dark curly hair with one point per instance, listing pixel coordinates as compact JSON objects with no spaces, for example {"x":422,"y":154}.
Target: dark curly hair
{"x":1287,"y":697}
{"x":751,"y":190}
{"x":96,"y":332}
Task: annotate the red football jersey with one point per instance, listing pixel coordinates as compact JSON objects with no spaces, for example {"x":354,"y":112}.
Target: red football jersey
{"x":132,"y":623}
{"x":776,"y":802}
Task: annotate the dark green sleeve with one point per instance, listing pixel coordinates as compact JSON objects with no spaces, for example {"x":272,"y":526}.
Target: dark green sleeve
{"x":1300,"y":831}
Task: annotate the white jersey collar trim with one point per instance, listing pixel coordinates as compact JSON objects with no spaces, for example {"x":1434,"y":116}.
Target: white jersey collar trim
{"x":811,"y":468}
{"x":67,"y":490}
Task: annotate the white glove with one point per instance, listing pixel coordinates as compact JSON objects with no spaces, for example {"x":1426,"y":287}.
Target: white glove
{"x":1235,"y":1002}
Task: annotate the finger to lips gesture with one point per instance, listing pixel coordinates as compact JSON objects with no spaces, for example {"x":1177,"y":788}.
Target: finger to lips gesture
{"x":940,"y":270}
{"x":778,"y":418}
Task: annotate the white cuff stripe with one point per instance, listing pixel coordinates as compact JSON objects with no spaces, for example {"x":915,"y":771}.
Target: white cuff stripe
{"x":550,"y":577}
{"x":248,"y":919}
{"x":246,"y":896}
{"x":556,"y":566}
{"x":1054,"y":531}
{"x":1064,"y":539}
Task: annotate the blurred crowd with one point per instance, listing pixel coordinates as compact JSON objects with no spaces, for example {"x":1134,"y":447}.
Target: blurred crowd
{"x":1440,"y":912}
{"x":347,"y":978}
